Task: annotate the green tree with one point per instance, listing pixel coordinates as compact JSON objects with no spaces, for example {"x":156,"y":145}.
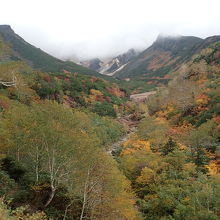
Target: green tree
{"x":104,"y":109}
{"x":169,"y":147}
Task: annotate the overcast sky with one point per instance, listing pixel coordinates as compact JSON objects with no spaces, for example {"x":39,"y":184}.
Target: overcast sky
{"x":97,"y":28}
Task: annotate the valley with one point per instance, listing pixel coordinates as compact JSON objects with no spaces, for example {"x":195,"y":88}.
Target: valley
{"x":142,"y":144}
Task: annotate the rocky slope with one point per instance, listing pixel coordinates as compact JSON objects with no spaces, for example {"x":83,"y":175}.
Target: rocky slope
{"x":110,"y":66}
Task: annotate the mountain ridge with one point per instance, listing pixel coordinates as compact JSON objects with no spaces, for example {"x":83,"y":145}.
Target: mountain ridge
{"x":37,"y":58}
{"x":164,"y":56}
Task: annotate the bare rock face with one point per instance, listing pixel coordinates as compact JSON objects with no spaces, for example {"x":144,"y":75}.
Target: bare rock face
{"x":116,"y":63}
{"x":110,"y":66}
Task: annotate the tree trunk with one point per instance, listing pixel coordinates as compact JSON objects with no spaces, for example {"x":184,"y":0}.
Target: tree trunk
{"x":66,"y":210}
{"x":85,"y":194}
{"x":50,"y":197}
{"x":37,"y":167}
{"x":84,"y":202}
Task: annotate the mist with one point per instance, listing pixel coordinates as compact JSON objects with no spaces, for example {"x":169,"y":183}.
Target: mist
{"x":87,"y":29}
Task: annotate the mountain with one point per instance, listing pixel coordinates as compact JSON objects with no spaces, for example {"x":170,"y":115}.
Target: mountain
{"x":13,"y":47}
{"x":165,"y":56}
{"x":118,"y":63}
{"x":93,"y":64}
{"x":110,"y":66}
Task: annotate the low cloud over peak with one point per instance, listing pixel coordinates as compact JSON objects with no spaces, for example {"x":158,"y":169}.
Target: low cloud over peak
{"x":88,"y":29}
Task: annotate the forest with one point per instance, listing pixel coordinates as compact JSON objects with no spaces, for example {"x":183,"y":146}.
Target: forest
{"x":56,"y":129}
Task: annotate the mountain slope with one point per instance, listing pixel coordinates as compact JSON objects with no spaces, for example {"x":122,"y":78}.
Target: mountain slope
{"x":93,"y":64}
{"x":110,"y":66}
{"x":164,"y":56}
{"x":38,"y":59}
{"x":118,"y":63}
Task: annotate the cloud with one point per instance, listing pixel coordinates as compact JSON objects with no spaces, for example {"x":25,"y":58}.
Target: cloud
{"x":100,"y":28}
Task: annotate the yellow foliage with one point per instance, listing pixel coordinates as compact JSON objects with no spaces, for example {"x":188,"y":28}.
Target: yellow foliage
{"x":95,"y":92}
{"x":213,"y":168}
{"x":147,"y":176}
{"x":124,"y":201}
{"x":95,"y":95}
{"x":186,"y":199}
{"x":189,"y":168}
{"x":91,"y":99}
{"x":182,"y":146}
{"x":40,"y":187}
{"x":133,"y":145}
{"x":116,"y":108}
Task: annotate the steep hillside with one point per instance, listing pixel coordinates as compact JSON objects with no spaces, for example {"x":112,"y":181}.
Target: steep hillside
{"x":164,"y":56}
{"x":38,"y":59}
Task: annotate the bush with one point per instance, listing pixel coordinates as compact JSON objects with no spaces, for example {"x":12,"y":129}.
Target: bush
{"x":104,"y":109}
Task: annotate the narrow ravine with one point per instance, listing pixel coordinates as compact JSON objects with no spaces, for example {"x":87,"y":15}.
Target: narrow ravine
{"x":130,"y":126}
{"x":128,"y":122}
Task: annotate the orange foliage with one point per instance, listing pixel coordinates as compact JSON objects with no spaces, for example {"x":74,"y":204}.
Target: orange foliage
{"x":95,"y":95}
{"x":115,"y":91}
{"x":133,"y":145}
{"x":202,"y":100}
{"x":178,"y":130}
{"x":217,"y":121}
{"x":95,"y":92}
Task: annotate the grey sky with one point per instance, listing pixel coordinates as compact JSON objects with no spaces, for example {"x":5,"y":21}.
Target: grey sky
{"x":97,"y":28}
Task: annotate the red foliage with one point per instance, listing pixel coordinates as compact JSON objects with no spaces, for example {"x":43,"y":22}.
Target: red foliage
{"x":47,"y":78}
{"x":4,"y":104}
{"x":99,"y":98}
{"x":67,"y":72}
{"x":94,"y":79}
{"x":59,"y":77}
{"x":217,"y":55}
{"x":115,"y":91}
{"x":108,"y":99}
{"x":67,"y":79}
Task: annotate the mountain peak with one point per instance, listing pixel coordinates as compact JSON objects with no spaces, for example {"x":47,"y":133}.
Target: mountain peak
{"x":164,"y":56}
{"x":163,"y":37}
{"x":6,"y":28}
